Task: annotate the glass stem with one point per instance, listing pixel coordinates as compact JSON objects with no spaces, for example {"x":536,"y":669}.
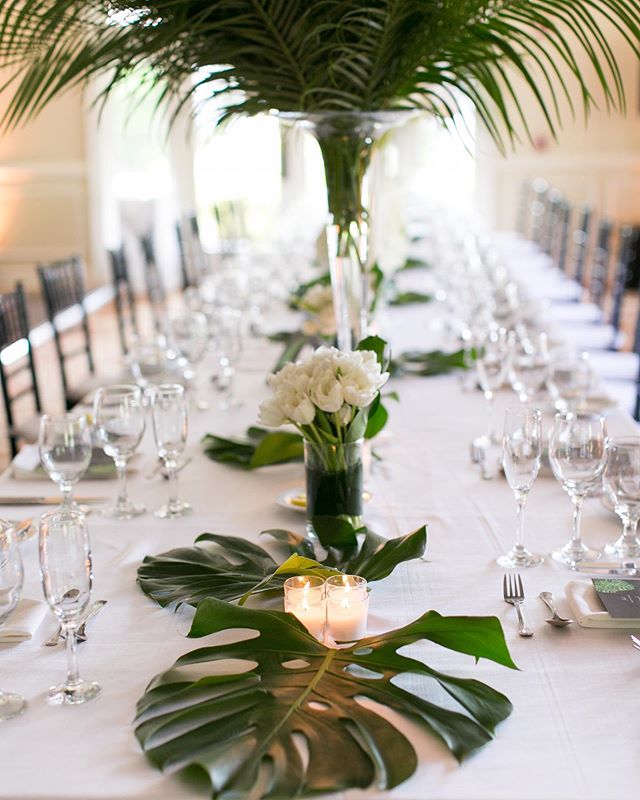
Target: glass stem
{"x":173,"y":483}
{"x":521,"y":500}
{"x":492,"y":415}
{"x":67,"y":494}
{"x":121,"y":466}
{"x":629,"y":542}
{"x":73,"y":677}
{"x":576,"y":538}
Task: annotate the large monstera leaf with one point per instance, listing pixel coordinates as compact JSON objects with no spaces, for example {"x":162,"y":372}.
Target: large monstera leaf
{"x":241,"y":728}
{"x":233,"y":568}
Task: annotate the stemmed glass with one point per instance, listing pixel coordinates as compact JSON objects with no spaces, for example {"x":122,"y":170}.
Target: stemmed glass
{"x":528,"y":368}
{"x":65,"y":566}
{"x":577,"y":452}
{"x":522,"y":449}
{"x":491,"y":364}
{"x":190,"y":337}
{"x":170,"y":426}
{"x":11,"y":578}
{"x":65,"y":451}
{"x":569,"y":380}
{"x":621,"y":482}
{"x":228,"y":342}
{"x":119,"y":422}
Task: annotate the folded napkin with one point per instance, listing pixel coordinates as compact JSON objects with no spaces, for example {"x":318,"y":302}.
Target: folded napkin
{"x":26,"y":465}
{"x":23,"y":622}
{"x":589,"y":611}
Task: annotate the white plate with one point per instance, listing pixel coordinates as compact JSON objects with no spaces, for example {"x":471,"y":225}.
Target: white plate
{"x":296,"y":499}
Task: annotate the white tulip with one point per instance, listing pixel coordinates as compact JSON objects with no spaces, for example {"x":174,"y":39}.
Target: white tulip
{"x":325,"y":389}
{"x":271,"y":414}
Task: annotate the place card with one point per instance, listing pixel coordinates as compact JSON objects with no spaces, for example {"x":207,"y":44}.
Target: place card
{"x":620,"y":596}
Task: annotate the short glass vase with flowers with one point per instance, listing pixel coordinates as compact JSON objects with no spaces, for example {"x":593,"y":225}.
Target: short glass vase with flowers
{"x":333,"y":399}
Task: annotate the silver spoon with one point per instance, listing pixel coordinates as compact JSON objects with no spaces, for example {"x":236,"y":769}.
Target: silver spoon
{"x":556,"y":620}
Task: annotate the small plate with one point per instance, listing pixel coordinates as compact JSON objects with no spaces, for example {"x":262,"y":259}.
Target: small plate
{"x":296,"y":499}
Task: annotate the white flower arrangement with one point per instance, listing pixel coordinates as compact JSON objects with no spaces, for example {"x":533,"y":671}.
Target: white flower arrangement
{"x":328,"y":396}
{"x":317,"y":302}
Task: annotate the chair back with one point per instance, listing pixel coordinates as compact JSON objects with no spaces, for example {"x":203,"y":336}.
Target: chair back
{"x":124,"y":298}
{"x":627,"y":250}
{"x":550,"y":225}
{"x":600,"y":263}
{"x":192,"y":258}
{"x":17,"y":369}
{"x":154,"y":283}
{"x":63,"y":291}
{"x":580,"y":242}
{"x":562,"y":243}
{"x":538,"y":208}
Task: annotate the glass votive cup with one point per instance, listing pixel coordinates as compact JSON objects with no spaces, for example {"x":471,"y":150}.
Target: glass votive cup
{"x":347,"y":607}
{"x":304,"y":597}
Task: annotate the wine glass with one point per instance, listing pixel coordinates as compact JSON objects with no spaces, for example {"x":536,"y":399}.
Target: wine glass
{"x":118,"y":419}
{"x":11,"y":578}
{"x":491,"y":364}
{"x":528,"y":368}
{"x":621,"y":481}
{"x":65,"y":451}
{"x":577,"y":452}
{"x":522,"y":449}
{"x":170,"y":426}
{"x":228,"y":340}
{"x":190,"y":337}
{"x":65,"y":567}
{"x":569,"y":380}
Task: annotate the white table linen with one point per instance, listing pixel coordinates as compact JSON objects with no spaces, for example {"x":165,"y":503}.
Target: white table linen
{"x":573,"y":733}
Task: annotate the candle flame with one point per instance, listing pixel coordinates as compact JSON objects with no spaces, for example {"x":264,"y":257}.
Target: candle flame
{"x":305,"y":595}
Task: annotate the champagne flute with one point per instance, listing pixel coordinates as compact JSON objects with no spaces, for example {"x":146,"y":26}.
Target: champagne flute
{"x":577,"y":452}
{"x":65,"y":451}
{"x":11,"y":579}
{"x":119,"y":422}
{"x":65,"y":567}
{"x":522,"y":449}
{"x":621,"y":482}
{"x":491,"y":363}
{"x":170,"y":426}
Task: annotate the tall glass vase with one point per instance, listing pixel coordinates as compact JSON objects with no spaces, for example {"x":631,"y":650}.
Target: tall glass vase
{"x":346,"y":139}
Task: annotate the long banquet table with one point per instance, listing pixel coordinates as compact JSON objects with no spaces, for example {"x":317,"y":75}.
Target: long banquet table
{"x":574,"y":731}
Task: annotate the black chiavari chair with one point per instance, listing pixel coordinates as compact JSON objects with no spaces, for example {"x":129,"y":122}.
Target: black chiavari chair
{"x":63,"y":291}
{"x":17,"y":368}
{"x":600,"y":262}
{"x":155,"y":286}
{"x":124,"y":298}
{"x":580,"y":242}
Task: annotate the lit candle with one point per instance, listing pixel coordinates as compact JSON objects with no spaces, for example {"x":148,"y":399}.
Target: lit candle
{"x":304,"y":597}
{"x":347,"y":607}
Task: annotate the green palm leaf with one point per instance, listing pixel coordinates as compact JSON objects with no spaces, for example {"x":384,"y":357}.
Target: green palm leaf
{"x":244,"y":729}
{"x":315,"y":55}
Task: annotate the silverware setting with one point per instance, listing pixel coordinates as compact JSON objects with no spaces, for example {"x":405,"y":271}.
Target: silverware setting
{"x":81,"y":634}
{"x":513,"y":593}
{"x":556,"y":620}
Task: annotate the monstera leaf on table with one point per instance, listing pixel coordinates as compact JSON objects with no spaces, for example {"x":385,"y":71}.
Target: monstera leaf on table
{"x":232,"y":569}
{"x":241,"y":728}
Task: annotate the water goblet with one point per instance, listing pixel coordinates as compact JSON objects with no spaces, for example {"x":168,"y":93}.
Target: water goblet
{"x":65,"y":451}
{"x":119,"y":423}
{"x":170,"y":426}
{"x":491,"y":364}
{"x":65,"y":567}
{"x":11,"y":578}
{"x":190,"y":337}
{"x":577,"y":452}
{"x":528,"y":366}
{"x":522,"y":449}
{"x":621,"y":481}
{"x":569,"y":380}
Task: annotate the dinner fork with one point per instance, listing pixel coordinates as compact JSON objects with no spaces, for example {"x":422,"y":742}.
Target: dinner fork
{"x":635,"y":642}
{"x":513,"y":593}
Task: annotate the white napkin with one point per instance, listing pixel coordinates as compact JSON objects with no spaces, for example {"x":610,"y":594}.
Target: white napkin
{"x":588,"y":610}
{"x":23,"y":622}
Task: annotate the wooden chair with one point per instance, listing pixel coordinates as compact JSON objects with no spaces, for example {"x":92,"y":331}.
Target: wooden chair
{"x":63,"y":291}
{"x":17,"y":369}
{"x":154,"y":283}
{"x":124,"y":299}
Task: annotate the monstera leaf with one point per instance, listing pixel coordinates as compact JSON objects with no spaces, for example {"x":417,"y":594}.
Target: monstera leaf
{"x":235,"y":569}
{"x":244,"y":729}
{"x":428,"y":362}
{"x":409,"y":298}
{"x":259,"y":448}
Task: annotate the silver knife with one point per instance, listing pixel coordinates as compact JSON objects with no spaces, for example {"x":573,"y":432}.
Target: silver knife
{"x":630,"y":568}
{"x":46,"y":501}
{"x":81,"y":637}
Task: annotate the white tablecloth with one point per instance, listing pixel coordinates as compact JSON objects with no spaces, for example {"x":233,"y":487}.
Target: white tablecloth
{"x":574,"y":732}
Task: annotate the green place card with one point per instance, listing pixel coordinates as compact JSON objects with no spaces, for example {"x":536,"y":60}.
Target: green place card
{"x":620,"y":596}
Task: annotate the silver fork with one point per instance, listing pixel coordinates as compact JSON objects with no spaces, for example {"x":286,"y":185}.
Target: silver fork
{"x":635,"y":642}
{"x":513,"y":593}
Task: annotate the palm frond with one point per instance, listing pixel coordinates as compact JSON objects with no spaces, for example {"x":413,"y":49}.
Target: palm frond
{"x":318,"y":55}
